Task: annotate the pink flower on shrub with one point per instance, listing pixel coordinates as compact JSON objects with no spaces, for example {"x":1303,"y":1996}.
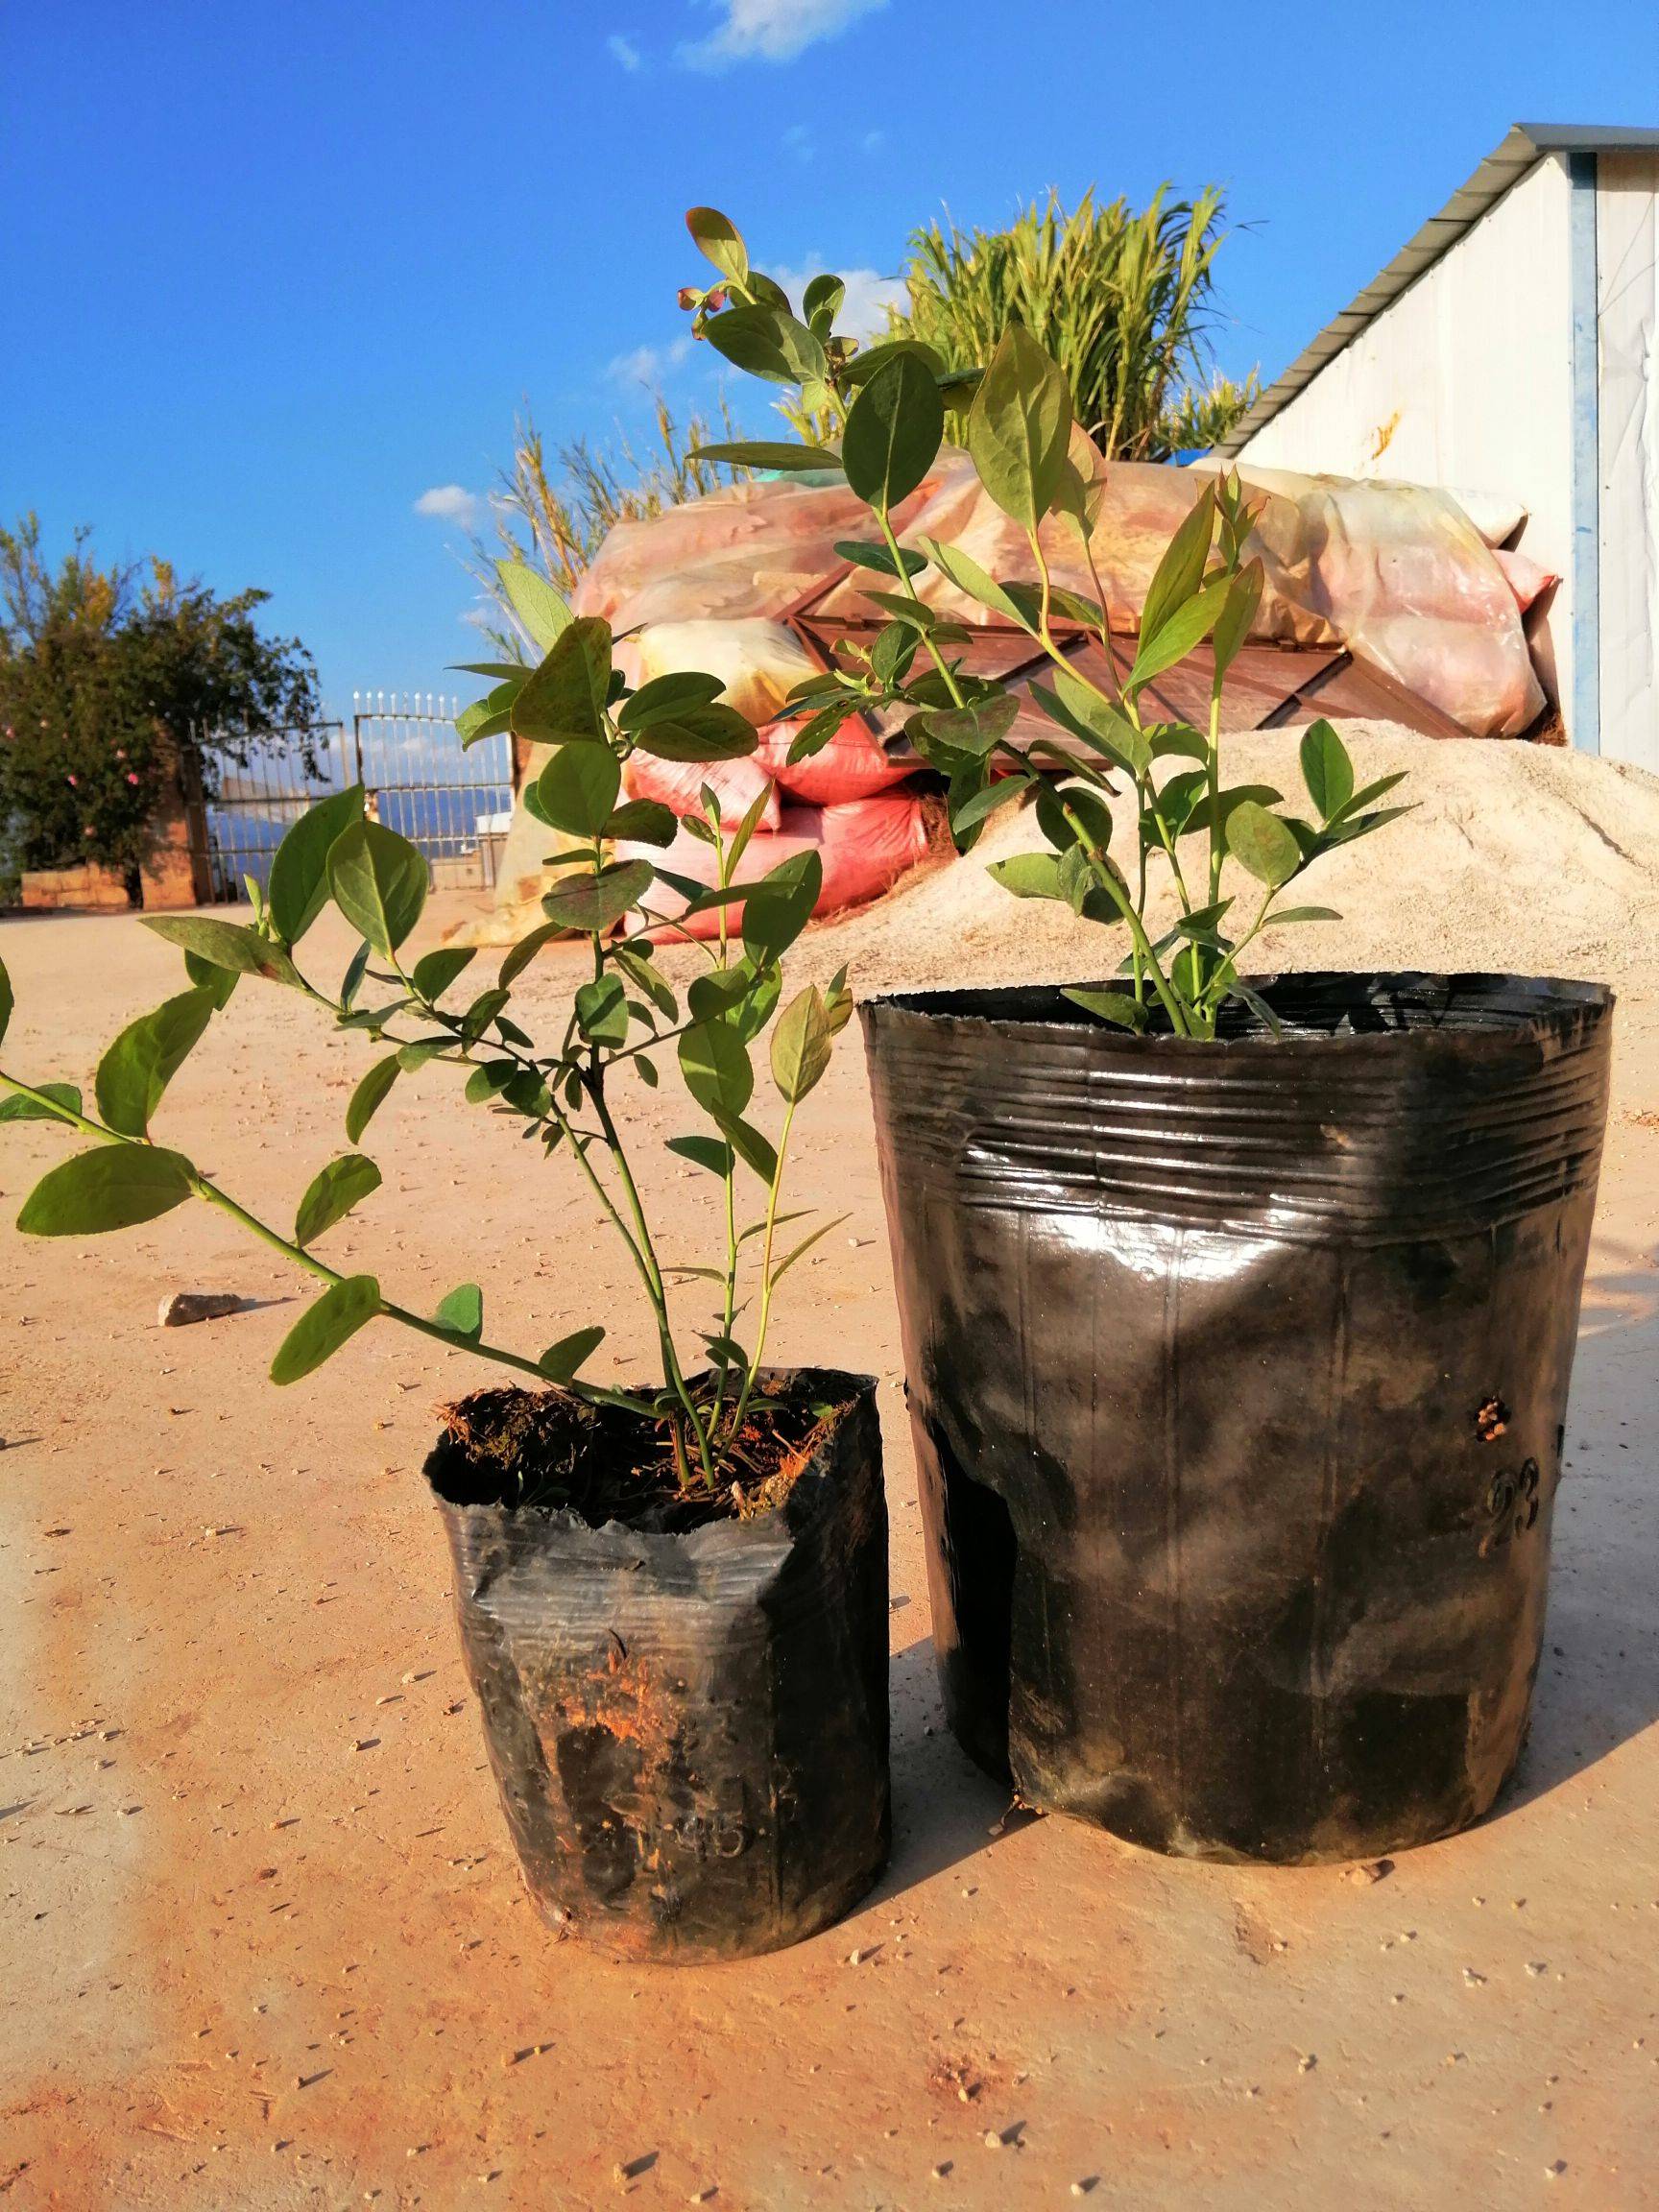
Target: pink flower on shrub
{"x":72,"y":779}
{"x":131,"y":778}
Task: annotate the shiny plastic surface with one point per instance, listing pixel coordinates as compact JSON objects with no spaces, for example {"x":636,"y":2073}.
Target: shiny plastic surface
{"x":688,"y":1732}
{"x":1237,"y":1375}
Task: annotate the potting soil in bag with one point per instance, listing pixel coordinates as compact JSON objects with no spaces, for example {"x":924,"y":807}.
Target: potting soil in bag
{"x":687,"y":1714}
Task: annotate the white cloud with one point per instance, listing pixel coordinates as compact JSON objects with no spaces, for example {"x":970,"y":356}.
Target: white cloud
{"x":773,"y":30}
{"x":453,"y":503}
{"x":645,"y":364}
{"x":622,"y":51}
{"x":869,"y":295}
{"x":798,"y":139}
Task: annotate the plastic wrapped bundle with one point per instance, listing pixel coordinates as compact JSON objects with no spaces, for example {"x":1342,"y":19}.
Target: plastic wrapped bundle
{"x":753,"y":549}
{"x":865,"y":846}
{"x":855,"y":764}
{"x":1396,"y":573}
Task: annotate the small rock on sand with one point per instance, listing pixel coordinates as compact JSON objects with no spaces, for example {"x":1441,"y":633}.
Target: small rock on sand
{"x":179,"y":1307}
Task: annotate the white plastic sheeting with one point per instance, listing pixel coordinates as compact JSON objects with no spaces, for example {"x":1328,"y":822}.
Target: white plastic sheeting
{"x":1628,"y":452}
{"x":1465,"y":380}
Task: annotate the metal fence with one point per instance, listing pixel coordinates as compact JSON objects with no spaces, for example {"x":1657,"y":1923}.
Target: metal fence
{"x":402,"y":748}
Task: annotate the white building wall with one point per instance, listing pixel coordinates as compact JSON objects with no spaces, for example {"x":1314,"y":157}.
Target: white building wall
{"x":1466,"y":381}
{"x":1628,"y":452}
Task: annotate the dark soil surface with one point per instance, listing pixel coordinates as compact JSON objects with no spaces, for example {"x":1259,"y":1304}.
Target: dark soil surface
{"x":547,"y":1451}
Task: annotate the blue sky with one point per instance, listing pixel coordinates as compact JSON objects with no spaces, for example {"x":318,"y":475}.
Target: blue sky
{"x":272,"y":274}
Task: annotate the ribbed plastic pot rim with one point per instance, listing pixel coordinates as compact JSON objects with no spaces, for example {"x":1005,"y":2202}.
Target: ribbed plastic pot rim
{"x":1556,"y":1001}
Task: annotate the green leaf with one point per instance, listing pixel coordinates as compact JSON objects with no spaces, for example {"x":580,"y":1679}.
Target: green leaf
{"x":645,"y":822}
{"x":114,"y":1186}
{"x":144,"y":1059}
{"x":489,"y":1081}
{"x":1187,"y":627}
{"x":802,"y":1044}
{"x":1277,"y":915}
{"x":1261,"y":842}
{"x":786,"y":458}
{"x":298,"y":887}
{"x":221,"y":981}
{"x":717,"y":238}
{"x":780,"y":907}
{"x":602,"y":1011}
{"x":369,"y":1094}
{"x":519,"y":957}
{"x":1029,"y":875}
{"x":325,"y":1324}
{"x":1019,"y":428}
{"x":1177,"y":739}
{"x":489,"y":716}
{"x":864,"y":553}
{"x":668,"y":695}
{"x":1180,"y":573}
{"x":577,"y":790}
{"x":1325,"y":769}
{"x":463,"y":1311}
{"x":332,"y":1193}
{"x":379,"y":881}
{"x":978,"y":728}
{"x":961,"y":570}
{"x":639,"y":970}
{"x":805,"y":1245}
{"x":1110,"y":1006}
{"x":1092,"y":825}
{"x":1100,"y":722}
{"x":415,"y":1055}
{"x":15,"y":1107}
{"x":894,"y":432}
{"x":750,"y":1147}
{"x":353,"y":980}
{"x":597,"y":903}
{"x":8,"y":999}
{"x":544,"y":611}
{"x":714,"y":1066}
{"x":768,"y":341}
{"x":434,"y":971}
{"x":227,"y":944}
{"x":985,"y":801}
{"x":561,"y":1361}
{"x":710,"y":732}
{"x":703,"y":1152}
{"x":565,"y":697}
{"x":1233,"y":625}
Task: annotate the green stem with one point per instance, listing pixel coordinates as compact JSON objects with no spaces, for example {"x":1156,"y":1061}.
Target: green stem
{"x":204,"y":1188}
{"x":946,"y":674}
{"x":763,"y":1314}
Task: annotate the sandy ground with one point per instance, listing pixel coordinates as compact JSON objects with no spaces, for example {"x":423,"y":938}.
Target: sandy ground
{"x":262,"y":1937}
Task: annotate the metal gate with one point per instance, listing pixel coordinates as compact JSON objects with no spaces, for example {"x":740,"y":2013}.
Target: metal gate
{"x":454,"y":806}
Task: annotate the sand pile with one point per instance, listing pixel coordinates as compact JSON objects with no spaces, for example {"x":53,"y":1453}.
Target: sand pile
{"x":1521,"y":857}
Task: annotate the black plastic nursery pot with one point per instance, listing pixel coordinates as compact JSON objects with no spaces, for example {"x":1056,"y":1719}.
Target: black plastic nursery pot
{"x":687,"y":1725}
{"x":1237,"y":1375}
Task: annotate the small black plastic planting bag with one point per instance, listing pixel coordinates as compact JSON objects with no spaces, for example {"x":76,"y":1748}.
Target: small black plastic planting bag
{"x":1237,"y":1373}
{"x":688,"y":1730}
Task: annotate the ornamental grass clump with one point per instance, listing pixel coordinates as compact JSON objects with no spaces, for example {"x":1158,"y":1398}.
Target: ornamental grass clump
{"x":627,"y":1026}
{"x":1111,"y":758}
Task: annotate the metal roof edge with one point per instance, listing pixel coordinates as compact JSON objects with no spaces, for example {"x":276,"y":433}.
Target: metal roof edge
{"x":1523,"y":146}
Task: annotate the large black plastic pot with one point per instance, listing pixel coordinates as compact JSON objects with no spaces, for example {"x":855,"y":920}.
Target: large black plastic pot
{"x":689,"y":1731}
{"x":1238,"y":1374}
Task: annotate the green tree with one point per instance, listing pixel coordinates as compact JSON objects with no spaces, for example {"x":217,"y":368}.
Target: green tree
{"x":1122,"y":302}
{"x":113,"y":679}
